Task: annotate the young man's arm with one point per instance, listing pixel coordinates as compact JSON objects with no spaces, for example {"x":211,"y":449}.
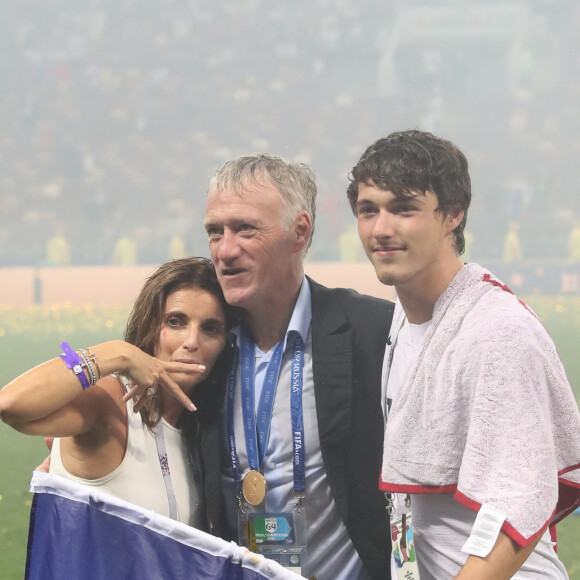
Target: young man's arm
{"x":504,"y":560}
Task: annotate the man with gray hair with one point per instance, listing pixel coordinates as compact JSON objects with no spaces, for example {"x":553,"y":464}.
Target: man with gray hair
{"x":302,"y":417}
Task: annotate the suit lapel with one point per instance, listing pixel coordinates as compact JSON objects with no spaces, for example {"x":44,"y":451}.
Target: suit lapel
{"x":332,"y":370}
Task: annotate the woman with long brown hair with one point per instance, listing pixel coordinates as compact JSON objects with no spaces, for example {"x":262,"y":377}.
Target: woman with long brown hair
{"x":122,"y":411}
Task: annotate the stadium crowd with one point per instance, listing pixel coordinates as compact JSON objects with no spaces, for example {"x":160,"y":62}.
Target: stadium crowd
{"x":115,"y":113}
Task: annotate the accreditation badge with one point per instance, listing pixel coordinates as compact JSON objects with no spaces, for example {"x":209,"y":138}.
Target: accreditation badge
{"x":279,"y":536}
{"x":402,"y":542}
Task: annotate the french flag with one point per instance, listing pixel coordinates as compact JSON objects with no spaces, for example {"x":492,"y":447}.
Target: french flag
{"x":80,"y":532}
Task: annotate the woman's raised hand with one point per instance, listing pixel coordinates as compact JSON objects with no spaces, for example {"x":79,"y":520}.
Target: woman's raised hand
{"x":148,"y":374}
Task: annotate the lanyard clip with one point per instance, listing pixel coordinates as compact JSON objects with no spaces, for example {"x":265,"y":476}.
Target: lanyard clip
{"x":299,"y":496}
{"x":390,"y":504}
{"x":242,"y":505}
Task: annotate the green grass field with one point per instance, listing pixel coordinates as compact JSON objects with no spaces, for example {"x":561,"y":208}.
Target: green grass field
{"x":29,"y":336}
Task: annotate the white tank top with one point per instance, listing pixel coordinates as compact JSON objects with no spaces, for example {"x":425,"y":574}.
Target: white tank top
{"x":138,"y":478}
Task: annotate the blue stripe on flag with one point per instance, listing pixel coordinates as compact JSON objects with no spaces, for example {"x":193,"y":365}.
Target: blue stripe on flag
{"x":79,"y":532}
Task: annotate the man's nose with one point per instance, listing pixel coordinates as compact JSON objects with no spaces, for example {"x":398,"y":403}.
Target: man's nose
{"x":228,"y":247}
{"x":383,"y":225}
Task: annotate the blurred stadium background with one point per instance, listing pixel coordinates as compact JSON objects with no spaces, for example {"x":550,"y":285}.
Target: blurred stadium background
{"x":115,"y":113}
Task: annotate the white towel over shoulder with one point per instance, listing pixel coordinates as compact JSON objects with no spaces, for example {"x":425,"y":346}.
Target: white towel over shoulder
{"x":486,"y":410}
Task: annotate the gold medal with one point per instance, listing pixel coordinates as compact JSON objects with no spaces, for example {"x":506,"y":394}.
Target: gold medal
{"x":254,"y":487}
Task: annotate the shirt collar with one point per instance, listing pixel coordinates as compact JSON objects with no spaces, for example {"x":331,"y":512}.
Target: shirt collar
{"x":302,"y":314}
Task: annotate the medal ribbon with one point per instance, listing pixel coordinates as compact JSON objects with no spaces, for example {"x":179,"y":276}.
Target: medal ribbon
{"x":257,"y":431}
{"x":257,"y":421}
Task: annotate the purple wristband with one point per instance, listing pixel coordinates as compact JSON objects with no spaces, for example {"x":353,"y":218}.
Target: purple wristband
{"x":75,"y":364}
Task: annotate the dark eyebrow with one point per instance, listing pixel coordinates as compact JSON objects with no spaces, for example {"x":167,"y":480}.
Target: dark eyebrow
{"x":405,"y":199}
{"x":364,"y":202}
{"x":177,"y":313}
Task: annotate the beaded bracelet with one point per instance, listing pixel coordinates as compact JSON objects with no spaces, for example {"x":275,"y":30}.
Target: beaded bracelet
{"x":75,"y":364}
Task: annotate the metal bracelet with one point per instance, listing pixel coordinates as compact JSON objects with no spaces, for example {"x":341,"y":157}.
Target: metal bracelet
{"x":92,"y":357}
{"x":89,"y":367}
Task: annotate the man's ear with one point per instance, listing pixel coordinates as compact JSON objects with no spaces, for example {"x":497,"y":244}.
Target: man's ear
{"x":302,"y":230}
{"x":454,"y":219}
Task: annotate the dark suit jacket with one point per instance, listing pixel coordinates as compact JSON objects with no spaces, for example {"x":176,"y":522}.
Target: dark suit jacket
{"x":349,"y":333}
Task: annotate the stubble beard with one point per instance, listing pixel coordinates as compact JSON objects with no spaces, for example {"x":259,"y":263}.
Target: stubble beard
{"x":388,"y":278}
{"x":384,"y":273}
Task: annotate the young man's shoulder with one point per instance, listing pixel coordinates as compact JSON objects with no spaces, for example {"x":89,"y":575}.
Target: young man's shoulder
{"x":499,"y":316}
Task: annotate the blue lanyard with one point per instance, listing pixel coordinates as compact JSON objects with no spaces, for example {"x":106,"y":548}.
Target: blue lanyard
{"x":298,"y":460}
{"x":257,"y":431}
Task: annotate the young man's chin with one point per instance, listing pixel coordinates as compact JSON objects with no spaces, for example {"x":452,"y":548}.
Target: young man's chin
{"x":386,"y":277}
{"x":388,"y":280}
